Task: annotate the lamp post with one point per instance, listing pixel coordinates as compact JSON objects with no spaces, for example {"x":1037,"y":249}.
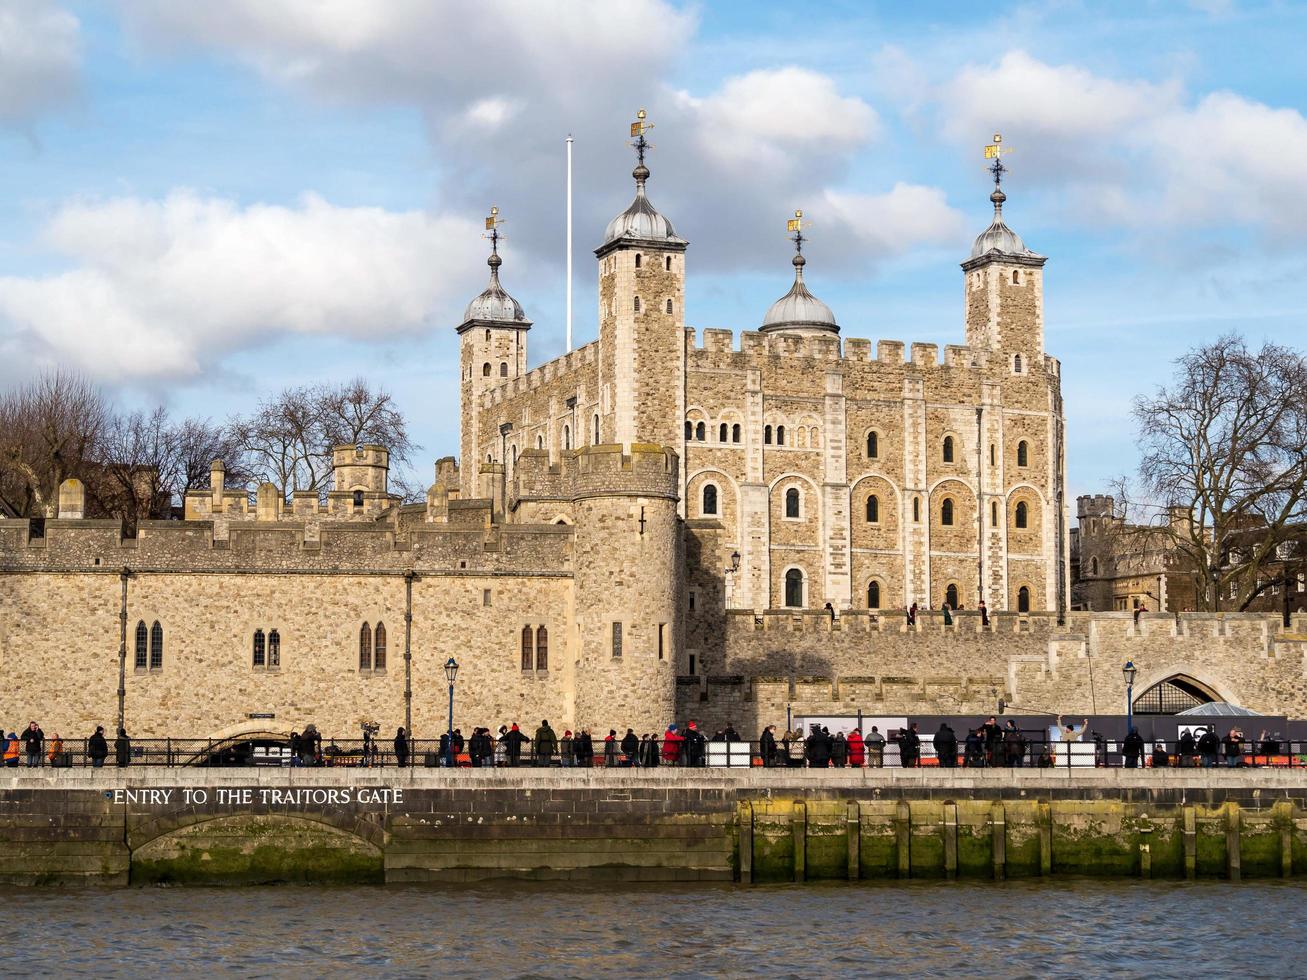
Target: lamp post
{"x":1128,"y":672}
{"x":735,"y":567}
{"x":451,"y":671}
{"x":504,"y":429}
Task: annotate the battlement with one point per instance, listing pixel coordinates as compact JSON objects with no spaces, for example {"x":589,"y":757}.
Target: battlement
{"x":1096,"y":505}
{"x":590,"y":471}
{"x":542,"y":375}
{"x":856,"y":350}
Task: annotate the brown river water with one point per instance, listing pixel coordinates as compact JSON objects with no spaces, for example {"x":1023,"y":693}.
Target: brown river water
{"x":1058,"y":928}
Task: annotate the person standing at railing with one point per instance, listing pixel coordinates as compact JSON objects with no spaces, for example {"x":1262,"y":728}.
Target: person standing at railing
{"x":1014,"y":745}
{"x":565,"y":752}
{"x":401,"y":747}
{"x":1132,"y":748}
{"x":672,"y":740}
{"x":857,"y":750}
{"x":875,"y":743}
{"x":946,"y":746}
{"x":631,"y":748}
{"x":839,"y":750}
{"x":818,"y":748}
{"x":33,"y":741}
{"x":767,"y":746}
{"x":696,"y":746}
{"x":1185,"y":750}
{"x":1161,"y":758}
{"x":909,"y":747}
{"x":513,"y":742}
{"x":122,"y":748}
{"x":648,"y":751}
{"x":56,"y":752}
{"x":1233,"y":746}
{"x":546,"y":744}
{"x":97,"y":748}
{"x":585,"y":748}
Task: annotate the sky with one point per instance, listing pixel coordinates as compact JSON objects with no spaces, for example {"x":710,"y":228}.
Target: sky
{"x":202,"y":203}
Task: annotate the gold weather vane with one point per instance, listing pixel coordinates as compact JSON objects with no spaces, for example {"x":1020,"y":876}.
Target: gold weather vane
{"x":794,"y":228}
{"x":638,"y":129}
{"x":493,"y":221}
{"x":994,"y":151}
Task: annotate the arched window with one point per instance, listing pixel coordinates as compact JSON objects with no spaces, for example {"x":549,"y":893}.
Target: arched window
{"x":814,"y":438}
{"x":1023,"y":453}
{"x":274,"y":648}
{"x":485,"y":370}
{"x":637,"y":260}
{"x":721,"y":432}
{"x":709,"y":499}
{"x":873,"y":509}
{"x":1023,"y":514}
{"x":794,"y":589}
{"x":542,"y":649}
{"x":596,"y":428}
{"x":873,"y":595}
{"x":951,"y":595}
{"x":1016,"y":363}
{"x":528,"y":650}
{"x":1093,"y":566}
{"x":993,"y":513}
{"x":780,"y":435}
{"x":540,"y":442}
{"x":735,"y":432}
{"x":766,"y":434}
{"x":379,"y":648}
{"x":503,"y":369}
{"x":1016,"y":277}
{"x":669,"y":306}
{"x":260,"y":651}
{"x":1023,"y":599}
{"x":700,"y":433}
{"x":156,"y":646}
{"x":669,"y":263}
{"x":637,"y":304}
{"x":567,"y":437}
{"x":946,"y":512}
{"x":689,"y":430}
{"x":142,"y":645}
{"x":358,"y":498}
{"x":487,"y":336}
{"x":792,"y":502}
{"x":916,"y":509}
{"x":365,"y":647}
{"x":948,"y":449}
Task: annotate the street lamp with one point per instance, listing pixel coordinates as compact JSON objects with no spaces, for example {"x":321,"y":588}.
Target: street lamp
{"x":451,"y":671}
{"x":1128,"y":672}
{"x":735,"y":567}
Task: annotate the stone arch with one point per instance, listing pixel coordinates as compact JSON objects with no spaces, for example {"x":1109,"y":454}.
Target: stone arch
{"x":1191,"y":673}
{"x":960,"y":534}
{"x":884,"y":534}
{"x":1026,"y":540}
{"x":727,"y":495}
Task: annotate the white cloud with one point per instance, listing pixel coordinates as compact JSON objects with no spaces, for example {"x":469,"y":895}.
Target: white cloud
{"x":891,"y":224}
{"x":40,"y":59}
{"x":164,"y":289}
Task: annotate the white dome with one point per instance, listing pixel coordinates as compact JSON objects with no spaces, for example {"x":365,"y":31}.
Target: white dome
{"x":641,"y":221}
{"x":799,"y":310}
{"x":494,"y":303}
{"x":998,"y":237}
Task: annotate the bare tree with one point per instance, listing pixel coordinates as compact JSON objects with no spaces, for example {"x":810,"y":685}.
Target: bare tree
{"x":1223,"y":473}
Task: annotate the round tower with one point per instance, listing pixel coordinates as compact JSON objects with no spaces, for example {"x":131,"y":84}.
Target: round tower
{"x":627,"y":569}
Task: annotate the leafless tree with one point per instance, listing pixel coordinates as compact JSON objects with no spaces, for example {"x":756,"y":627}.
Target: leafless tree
{"x":1222,"y":478}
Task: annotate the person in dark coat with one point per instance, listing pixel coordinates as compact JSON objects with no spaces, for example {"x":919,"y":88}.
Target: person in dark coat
{"x":513,"y":741}
{"x":585,"y":749}
{"x":909,"y":747}
{"x":974,"y":749}
{"x":401,"y":748}
{"x":97,"y":748}
{"x":984,"y":613}
{"x":817,"y":746}
{"x":912,"y":615}
{"x":310,"y":745}
{"x":1185,"y":749}
{"x":122,"y":748}
{"x":546,"y":744}
{"x":1161,"y":759}
{"x":839,"y":750}
{"x":33,"y":741}
{"x":1132,"y":748}
{"x":695,"y":745}
{"x":630,"y":748}
{"x":946,"y":746}
{"x":767,"y":746}
{"x":566,"y":749}
{"x":1209,"y":747}
{"x":444,"y":749}
{"x":731,"y":734}
{"x":1233,"y":748}
{"x":649,"y":750}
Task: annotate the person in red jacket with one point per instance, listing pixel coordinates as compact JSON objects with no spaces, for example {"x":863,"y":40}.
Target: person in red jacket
{"x":857,"y":752}
{"x":672,"y":740}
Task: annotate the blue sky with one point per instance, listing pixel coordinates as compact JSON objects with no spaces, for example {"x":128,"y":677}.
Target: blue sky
{"x":202,"y":203}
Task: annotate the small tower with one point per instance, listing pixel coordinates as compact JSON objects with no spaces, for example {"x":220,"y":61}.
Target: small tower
{"x":1004,"y":284}
{"x":798,"y":311}
{"x":642,"y":319}
{"x":361,"y":475}
{"x":492,"y":341}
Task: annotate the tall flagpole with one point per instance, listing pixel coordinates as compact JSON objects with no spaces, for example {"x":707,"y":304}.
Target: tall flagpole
{"x":569,"y":242}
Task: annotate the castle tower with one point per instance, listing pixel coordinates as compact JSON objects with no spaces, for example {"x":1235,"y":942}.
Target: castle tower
{"x":798,"y":311}
{"x":1004,"y":285}
{"x":492,"y":352}
{"x":641,"y":320}
{"x":360,"y":474}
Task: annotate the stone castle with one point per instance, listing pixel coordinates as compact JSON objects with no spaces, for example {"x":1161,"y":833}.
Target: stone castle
{"x":652,"y":527}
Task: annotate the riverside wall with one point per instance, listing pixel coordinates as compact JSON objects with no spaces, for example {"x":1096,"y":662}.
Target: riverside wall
{"x":109,"y":827}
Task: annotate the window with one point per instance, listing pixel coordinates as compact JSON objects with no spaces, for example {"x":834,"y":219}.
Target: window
{"x":365,"y":647}
{"x":735,"y":432}
{"x":669,"y":263}
{"x":1023,"y":453}
{"x":792,"y":502}
{"x":780,"y":435}
{"x":142,"y":641}
{"x":156,"y":646}
{"x":916,"y":509}
{"x":1023,"y":599}
{"x":260,"y":651}
{"x":794,"y":589}
{"x":993,"y":455}
{"x":1023,"y":514}
{"x":951,"y":595}
{"x":948,"y":449}
{"x":873,"y":595}
{"x":1016,"y":278}
{"x":379,"y":648}
{"x":662,"y":629}
{"x":617,"y":640}
{"x":358,"y":499}
{"x":485,"y":597}
{"x":946,"y":512}
{"x":689,"y":430}
{"x":766,"y":435}
{"x":487,"y":336}
{"x":721,"y":432}
{"x":1016,"y":363}
{"x":1093,"y":566}
{"x":709,"y":499}
{"x":540,"y":442}
{"x":485,"y":370}
{"x":274,"y":649}
{"x":542,"y":649}
{"x":993,"y":513}
{"x":873,"y":509}
{"x":814,"y":438}
{"x":669,"y":306}
{"x":700,"y":433}
{"x":637,"y":260}
{"x":596,"y":428}
{"x":528,"y":650}
{"x":873,"y":445}
{"x":637,"y":304}
{"x":503,"y":369}
{"x":567,"y":437}
{"x":1302,"y":581}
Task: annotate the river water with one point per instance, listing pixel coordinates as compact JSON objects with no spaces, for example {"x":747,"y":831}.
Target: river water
{"x":1066,"y":927}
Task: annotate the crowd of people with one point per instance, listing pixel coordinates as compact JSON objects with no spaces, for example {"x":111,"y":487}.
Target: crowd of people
{"x":35,"y":749}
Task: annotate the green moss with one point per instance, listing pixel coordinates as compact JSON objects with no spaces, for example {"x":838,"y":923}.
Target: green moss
{"x":264,"y":864}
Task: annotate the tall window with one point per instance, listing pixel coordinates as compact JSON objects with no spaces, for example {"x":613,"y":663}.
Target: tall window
{"x":794,"y":588}
{"x":700,"y":432}
{"x":766,"y":434}
{"x":637,"y":260}
{"x":948,"y":449}
{"x":689,"y":430}
{"x":873,"y":445}
{"x":916,"y":509}
{"x":503,"y":369}
{"x":156,"y":646}
{"x":1093,"y":566}
{"x":527,"y":649}
{"x":721,"y":432}
{"x":792,"y":502}
{"x":993,"y":513}
{"x":485,"y":370}
{"x":993,"y":455}
{"x":1023,"y":453}
{"x":1023,"y":599}
{"x":1016,"y":363}
{"x":358,"y":499}
{"x":596,"y":428}
{"x":1023,"y":514}
{"x":709,"y":499}
{"x":260,"y":650}
{"x":617,"y":640}
{"x":873,"y":595}
{"x":669,"y":263}
{"x":669,"y":306}
{"x":379,"y":648}
{"x":365,"y":647}
{"x":780,"y":435}
{"x":567,"y":437}
{"x":735,"y":432}
{"x":637,"y":304}
{"x":951,"y":595}
{"x":542,"y":649}
{"x":873,"y":509}
{"x":946,"y":512}
{"x":274,"y":648}
{"x":1016,"y":277}
{"x":142,"y":641}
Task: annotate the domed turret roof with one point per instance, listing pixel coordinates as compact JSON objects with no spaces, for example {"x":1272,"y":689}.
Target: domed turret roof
{"x":641,"y":221}
{"x":998,"y":237}
{"x":494,"y":303}
{"x":799,"y":310}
